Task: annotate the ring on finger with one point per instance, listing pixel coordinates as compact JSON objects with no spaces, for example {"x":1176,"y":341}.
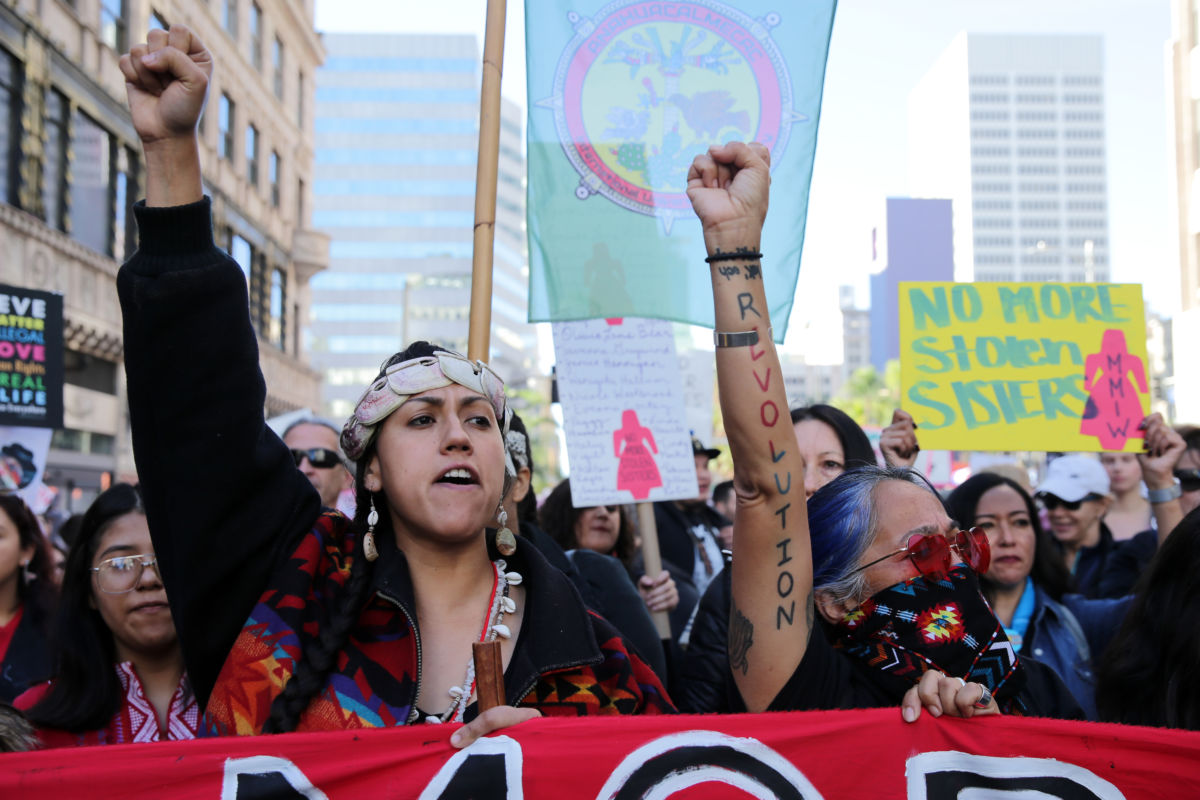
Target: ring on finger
{"x":961,"y":682}
{"x":985,"y":699}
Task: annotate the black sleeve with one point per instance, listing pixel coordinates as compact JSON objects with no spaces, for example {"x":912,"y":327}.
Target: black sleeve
{"x":825,"y":680}
{"x":1125,"y":564}
{"x":1045,"y":694}
{"x":224,"y":500}
{"x":701,"y":685}
{"x":608,"y":590}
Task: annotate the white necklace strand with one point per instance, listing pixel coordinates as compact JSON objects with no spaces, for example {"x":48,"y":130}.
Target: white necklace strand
{"x":494,"y":626}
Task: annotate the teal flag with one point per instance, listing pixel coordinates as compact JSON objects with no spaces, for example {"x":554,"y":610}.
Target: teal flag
{"x":622,"y":96}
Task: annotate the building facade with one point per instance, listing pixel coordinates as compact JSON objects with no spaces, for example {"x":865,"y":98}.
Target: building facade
{"x":1184,"y":67}
{"x":73,"y":167}
{"x":1011,"y":128}
{"x":915,"y":242}
{"x":396,"y":147}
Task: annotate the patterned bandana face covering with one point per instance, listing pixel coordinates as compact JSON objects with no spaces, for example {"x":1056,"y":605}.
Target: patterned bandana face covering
{"x":402,"y":381}
{"x":947,"y":625}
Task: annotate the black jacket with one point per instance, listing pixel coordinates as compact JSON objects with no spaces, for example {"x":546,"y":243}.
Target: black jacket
{"x":27,"y":661}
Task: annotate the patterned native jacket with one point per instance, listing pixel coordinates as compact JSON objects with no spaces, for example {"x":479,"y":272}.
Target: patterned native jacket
{"x":567,"y":661}
{"x":253,"y":569}
{"x":135,"y":720}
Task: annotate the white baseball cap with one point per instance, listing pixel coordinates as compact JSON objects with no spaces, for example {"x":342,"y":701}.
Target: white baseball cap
{"x":1073,"y":477}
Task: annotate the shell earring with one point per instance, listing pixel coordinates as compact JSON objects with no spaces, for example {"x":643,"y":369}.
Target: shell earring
{"x":369,"y":550}
{"x":506,"y":541}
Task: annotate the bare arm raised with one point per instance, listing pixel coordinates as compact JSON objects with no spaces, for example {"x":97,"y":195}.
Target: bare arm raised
{"x":772,"y":610}
{"x":166,"y":80}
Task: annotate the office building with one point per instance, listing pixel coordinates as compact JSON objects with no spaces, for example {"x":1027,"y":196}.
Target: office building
{"x":397,"y":140}
{"x":1183,"y":55}
{"x":73,"y":167}
{"x":1011,"y":128}
{"x":914,"y":243}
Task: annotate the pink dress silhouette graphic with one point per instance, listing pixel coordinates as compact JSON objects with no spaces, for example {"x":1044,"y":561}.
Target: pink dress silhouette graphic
{"x":636,"y":470}
{"x":1114,"y":406}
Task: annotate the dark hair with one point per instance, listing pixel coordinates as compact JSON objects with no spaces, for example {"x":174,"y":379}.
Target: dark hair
{"x":856,"y":447}
{"x":37,"y":596}
{"x":1191,"y":436}
{"x":319,"y":654}
{"x":721,"y":491}
{"x":86,"y":692}
{"x":1150,"y":673}
{"x":1049,"y":570}
{"x":527,"y":508}
{"x":558,"y":517}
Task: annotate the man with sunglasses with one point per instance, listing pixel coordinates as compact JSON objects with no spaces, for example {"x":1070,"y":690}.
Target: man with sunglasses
{"x":314,"y":445}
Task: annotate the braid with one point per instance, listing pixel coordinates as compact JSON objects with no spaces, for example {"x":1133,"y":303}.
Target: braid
{"x":320,"y":655}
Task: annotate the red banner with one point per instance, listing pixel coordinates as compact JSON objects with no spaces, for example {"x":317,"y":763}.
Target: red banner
{"x":851,"y":754}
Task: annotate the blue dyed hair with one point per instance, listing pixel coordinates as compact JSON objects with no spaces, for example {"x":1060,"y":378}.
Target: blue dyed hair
{"x":842,"y":520}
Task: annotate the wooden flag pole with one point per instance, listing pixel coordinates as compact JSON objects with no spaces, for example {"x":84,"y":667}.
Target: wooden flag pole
{"x":652,"y":561}
{"x":486,"y":170}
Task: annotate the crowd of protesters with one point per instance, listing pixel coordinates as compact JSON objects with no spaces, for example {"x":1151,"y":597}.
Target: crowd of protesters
{"x":227,"y":594}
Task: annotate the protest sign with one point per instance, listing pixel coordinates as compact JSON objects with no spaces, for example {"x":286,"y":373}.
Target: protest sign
{"x":810,"y":755}
{"x":1024,"y":366}
{"x":31,"y":358}
{"x":623,"y":414}
{"x":623,"y":95}
{"x":23,"y":454}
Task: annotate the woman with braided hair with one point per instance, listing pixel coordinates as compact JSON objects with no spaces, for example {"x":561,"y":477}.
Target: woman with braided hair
{"x":292,"y":617}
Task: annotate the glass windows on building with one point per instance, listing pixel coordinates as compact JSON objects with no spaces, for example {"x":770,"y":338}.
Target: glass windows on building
{"x":54,"y":165}
{"x":256,"y":32}
{"x":252,"y":156}
{"x":274,"y":178}
{"x":124,"y":230}
{"x":300,"y":90}
{"x":157,"y":21}
{"x":277,"y":65}
{"x":241,"y":252}
{"x":225,"y":117}
{"x":277,"y":308}
{"x":92,"y":183}
{"x":112,"y":24}
{"x":10,"y":125}
{"x":229,"y":17}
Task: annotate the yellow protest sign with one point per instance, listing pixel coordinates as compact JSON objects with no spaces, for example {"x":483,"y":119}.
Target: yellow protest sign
{"x":1024,"y":366}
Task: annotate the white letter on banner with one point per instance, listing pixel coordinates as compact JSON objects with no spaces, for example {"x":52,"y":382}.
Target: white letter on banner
{"x":951,"y":774}
{"x":271,"y":777}
{"x":673,"y":763}
{"x":490,"y":768}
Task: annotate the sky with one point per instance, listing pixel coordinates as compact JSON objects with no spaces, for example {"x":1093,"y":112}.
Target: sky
{"x":880,"y":49}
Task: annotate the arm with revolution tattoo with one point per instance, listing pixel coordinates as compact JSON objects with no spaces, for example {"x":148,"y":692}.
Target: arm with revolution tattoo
{"x":772,"y":610}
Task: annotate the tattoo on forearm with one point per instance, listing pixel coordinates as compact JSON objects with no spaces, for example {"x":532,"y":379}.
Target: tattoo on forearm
{"x":741,"y":638}
{"x":782,"y":514}
{"x":753,"y":272}
{"x":746,"y":303}
{"x":783,"y":553}
{"x":730,"y":272}
{"x":780,"y":487}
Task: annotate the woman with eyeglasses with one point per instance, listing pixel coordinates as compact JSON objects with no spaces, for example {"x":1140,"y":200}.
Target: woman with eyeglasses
{"x":871,"y":598}
{"x":294,"y":618}
{"x":1029,"y":587}
{"x":27,"y":595}
{"x":118,"y":671}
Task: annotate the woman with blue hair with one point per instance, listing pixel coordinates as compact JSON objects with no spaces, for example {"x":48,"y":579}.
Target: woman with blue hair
{"x":892,"y":578}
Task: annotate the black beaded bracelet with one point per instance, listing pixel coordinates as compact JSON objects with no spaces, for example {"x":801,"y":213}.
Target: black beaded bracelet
{"x":735,"y":256}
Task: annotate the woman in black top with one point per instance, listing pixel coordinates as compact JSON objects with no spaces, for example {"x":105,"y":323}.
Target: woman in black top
{"x":883,"y":555}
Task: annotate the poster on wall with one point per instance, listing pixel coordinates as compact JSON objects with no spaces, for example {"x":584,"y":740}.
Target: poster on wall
{"x":23,"y":453}
{"x":31,"y":358}
{"x":623,"y":412}
{"x":1024,"y":366}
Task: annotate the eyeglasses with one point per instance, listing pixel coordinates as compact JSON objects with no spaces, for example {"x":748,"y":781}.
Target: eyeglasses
{"x":1189,"y":479}
{"x":1053,"y":501}
{"x":930,"y":553}
{"x":319,"y":457}
{"x":120,"y":574}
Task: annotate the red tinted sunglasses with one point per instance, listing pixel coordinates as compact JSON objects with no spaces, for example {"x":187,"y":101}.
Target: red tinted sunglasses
{"x":930,"y":553}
